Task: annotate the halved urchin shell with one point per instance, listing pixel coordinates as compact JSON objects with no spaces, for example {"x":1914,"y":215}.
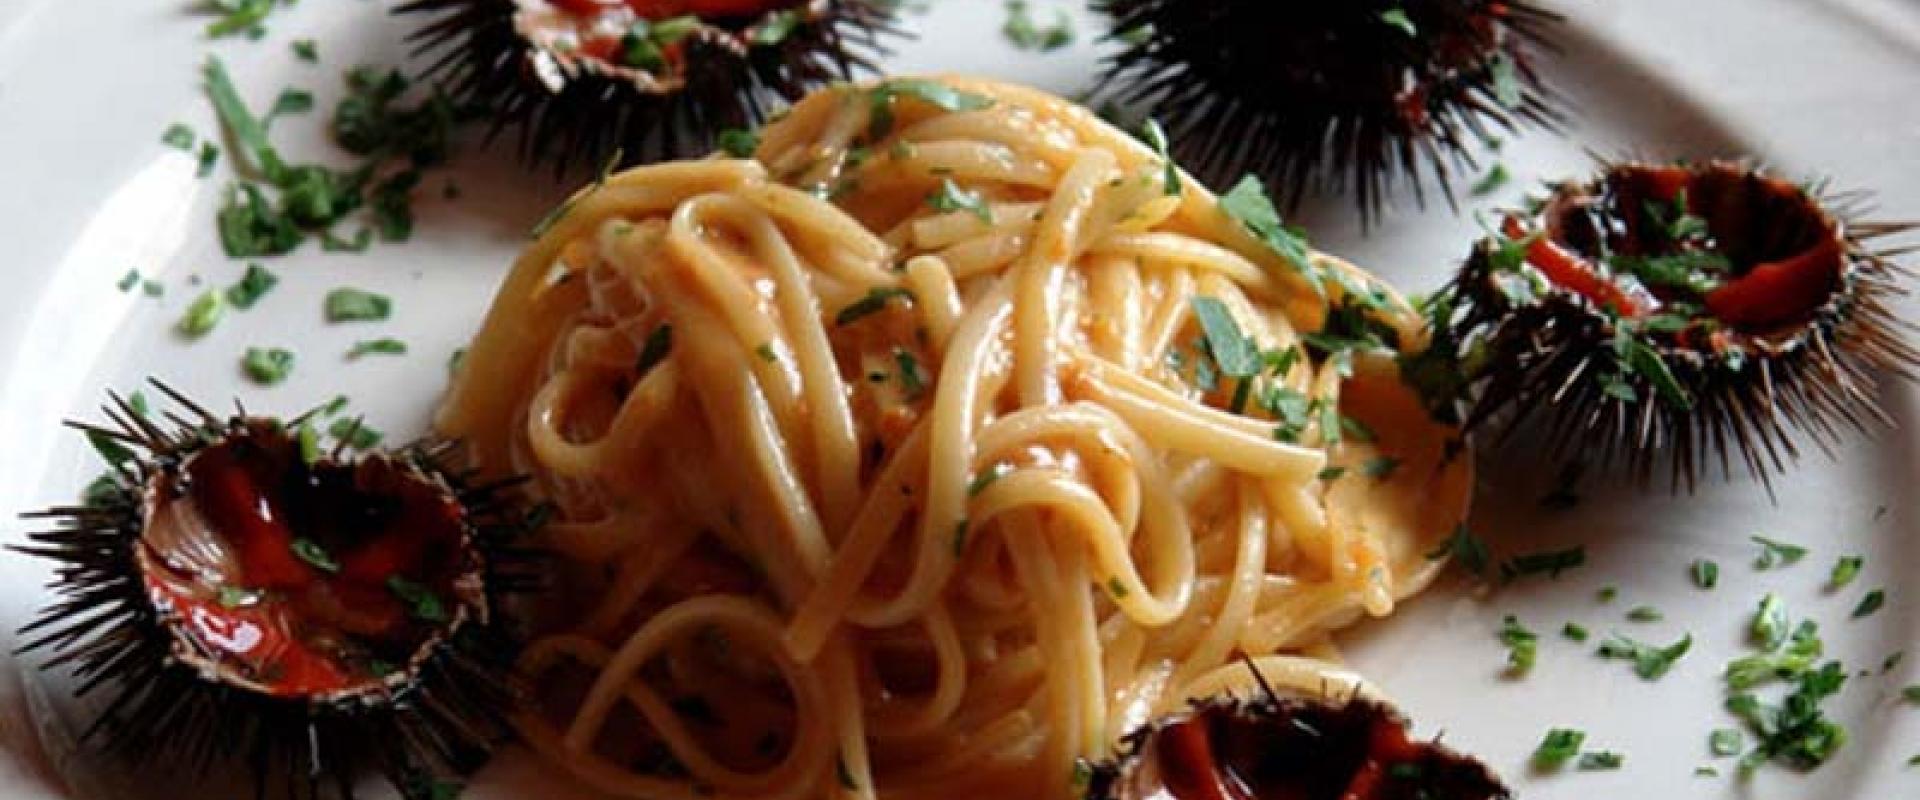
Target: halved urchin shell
{"x":1680,"y":312}
{"x":572,"y":108}
{"x":241,"y":597}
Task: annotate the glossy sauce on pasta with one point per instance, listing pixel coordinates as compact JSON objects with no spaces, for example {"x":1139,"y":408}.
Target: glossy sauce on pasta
{"x":884,"y":470}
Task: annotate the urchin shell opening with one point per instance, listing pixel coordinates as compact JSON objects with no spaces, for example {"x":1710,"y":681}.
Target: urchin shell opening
{"x":436,"y":721}
{"x":324,"y":579}
{"x":1287,"y":747}
{"x":733,"y":78}
{"x":645,"y":47}
{"x":1618,"y":374}
{"x":1357,"y":96}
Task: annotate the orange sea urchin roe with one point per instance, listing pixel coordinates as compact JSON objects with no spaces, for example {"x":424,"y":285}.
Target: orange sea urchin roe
{"x":300,"y":580}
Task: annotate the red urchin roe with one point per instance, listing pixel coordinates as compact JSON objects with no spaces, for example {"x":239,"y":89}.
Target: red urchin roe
{"x":1295,"y":751}
{"x":667,"y":9}
{"x":301,"y":580}
{"x":1780,"y":256}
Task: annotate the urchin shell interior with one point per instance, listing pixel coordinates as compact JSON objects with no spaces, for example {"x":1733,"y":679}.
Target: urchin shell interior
{"x":422,"y":723}
{"x":1622,"y":370}
{"x":584,"y":115}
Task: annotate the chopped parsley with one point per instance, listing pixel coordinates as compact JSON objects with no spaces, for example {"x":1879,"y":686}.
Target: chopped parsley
{"x":178,"y":137}
{"x":128,"y":281}
{"x":874,"y":302}
{"x":1870,"y":603}
{"x":422,"y":603}
{"x":1116,"y":588}
{"x":1558,"y":747}
{"x":255,"y":283}
{"x":1397,"y":17}
{"x":739,"y":143}
{"x":1025,"y":34}
{"x":1726,"y":742}
{"x":1645,"y":614}
{"x":1522,"y":646}
{"x":1551,"y":562}
{"x":202,"y":315}
{"x":355,"y":305}
{"x":1333,"y":473}
{"x":394,"y":143}
{"x":777,"y":28}
{"x":267,"y":366}
{"x":949,"y":197}
{"x":235,"y":597}
{"x":1797,"y":731}
{"x":314,"y":555}
{"x":1601,"y":760}
{"x":1705,"y":573}
{"x":1844,"y":571}
{"x":1774,"y":552}
{"x":1235,"y":354}
{"x":1496,"y":178}
{"x":385,"y":346}
{"x":939,"y":95}
{"x":306,"y":50}
{"x":986,"y":478}
{"x":912,"y":380}
{"x":1574,"y":631}
{"x":1156,"y":138}
{"x":354,"y":433}
{"x":1607,"y":594}
{"x":1467,"y":549}
{"x":238,"y":16}
{"x":1649,"y":662}
{"x":1248,"y":203}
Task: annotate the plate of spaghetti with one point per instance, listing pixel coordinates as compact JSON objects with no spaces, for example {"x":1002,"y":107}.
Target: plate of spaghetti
{"x":904,"y":401}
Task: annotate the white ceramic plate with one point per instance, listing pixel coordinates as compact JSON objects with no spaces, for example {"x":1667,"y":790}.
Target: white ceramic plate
{"x":89,"y":192}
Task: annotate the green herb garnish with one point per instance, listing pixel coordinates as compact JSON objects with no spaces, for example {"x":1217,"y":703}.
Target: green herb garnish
{"x":874,"y":302}
{"x":1870,"y":603}
{"x":1574,"y":631}
{"x":1397,"y":17}
{"x":1551,"y":562}
{"x":1776,"y":553}
{"x":1601,"y":760}
{"x":1649,"y":662}
{"x":267,"y":366}
{"x":314,"y":555}
{"x":1705,"y":573}
{"x":739,"y":143}
{"x":949,"y":197}
{"x":384,"y":346}
{"x":1558,"y":747}
{"x":1844,"y":571}
{"x":354,"y":433}
{"x":306,"y":50}
{"x":1522,"y":646}
{"x":934,"y":93}
{"x":179,"y":137}
{"x":1156,"y":138}
{"x":255,"y":283}
{"x":202,"y":315}
{"x":1725,"y":742}
{"x":912,"y":380}
{"x":1464,"y":547}
{"x":422,"y":603}
{"x":1645,"y":614}
{"x":1248,"y":203}
{"x":355,"y":305}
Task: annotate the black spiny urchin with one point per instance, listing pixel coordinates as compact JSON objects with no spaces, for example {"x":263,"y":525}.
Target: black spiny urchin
{"x":240,"y":596}
{"x":1679,"y":312}
{"x":649,"y":79}
{"x":1268,"y":746}
{"x":1329,"y":96}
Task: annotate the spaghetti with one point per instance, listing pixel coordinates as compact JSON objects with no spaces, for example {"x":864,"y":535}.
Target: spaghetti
{"x":934,"y":448}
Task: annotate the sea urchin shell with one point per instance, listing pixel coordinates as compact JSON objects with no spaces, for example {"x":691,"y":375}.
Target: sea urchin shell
{"x":1681,"y":311}
{"x":648,"y":79}
{"x":1355,"y":94}
{"x":243,"y":597}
